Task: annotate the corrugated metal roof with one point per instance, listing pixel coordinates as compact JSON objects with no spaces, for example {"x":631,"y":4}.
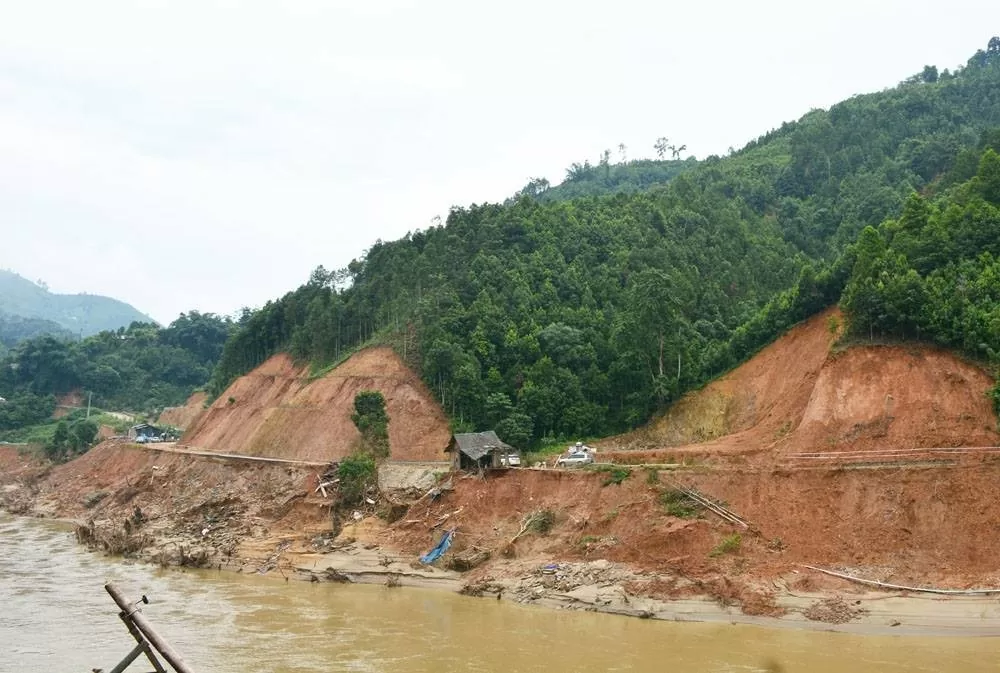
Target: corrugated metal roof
{"x":477,"y":444}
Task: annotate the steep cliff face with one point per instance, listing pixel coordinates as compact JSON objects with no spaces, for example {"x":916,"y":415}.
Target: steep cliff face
{"x":797,"y":395}
{"x":277,"y":410}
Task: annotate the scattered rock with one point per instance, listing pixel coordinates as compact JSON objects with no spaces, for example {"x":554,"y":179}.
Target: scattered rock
{"x":833,"y":610}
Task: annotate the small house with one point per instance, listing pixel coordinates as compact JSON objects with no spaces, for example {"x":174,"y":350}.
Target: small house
{"x":477,"y":450}
{"x":144,"y":430}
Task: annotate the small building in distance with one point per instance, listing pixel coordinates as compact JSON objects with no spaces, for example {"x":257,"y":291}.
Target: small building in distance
{"x":144,"y":430}
{"x":477,"y":450}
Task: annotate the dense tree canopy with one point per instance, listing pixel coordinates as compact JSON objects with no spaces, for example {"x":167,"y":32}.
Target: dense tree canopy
{"x":578,"y":310}
{"x":143,"y":367}
{"x":934,"y":272}
{"x":15,"y":329}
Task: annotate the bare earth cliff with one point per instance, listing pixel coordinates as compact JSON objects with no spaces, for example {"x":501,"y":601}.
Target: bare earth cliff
{"x":277,"y":410}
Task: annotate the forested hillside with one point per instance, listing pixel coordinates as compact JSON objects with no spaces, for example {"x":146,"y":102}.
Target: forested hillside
{"x":80,"y":314}
{"x":14,"y":329}
{"x":934,"y":272}
{"x":580,"y":316}
{"x":139,"y":368}
{"x":607,"y":178}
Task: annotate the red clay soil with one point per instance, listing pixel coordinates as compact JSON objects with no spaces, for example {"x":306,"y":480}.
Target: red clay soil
{"x":919,"y":523}
{"x":278,"y":411}
{"x":932,"y":526}
{"x":184,"y":416}
{"x":154,"y":480}
{"x":797,"y":395}
{"x":923,"y":525}
{"x":15,"y":461}
{"x":616,"y":522}
{"x":67,"y":402}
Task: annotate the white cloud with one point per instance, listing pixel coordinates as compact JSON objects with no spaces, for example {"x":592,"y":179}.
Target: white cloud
{"x":208,"y":154}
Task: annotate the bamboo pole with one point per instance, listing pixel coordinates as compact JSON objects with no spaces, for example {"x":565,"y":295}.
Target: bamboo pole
{"x":145,"y":628}
{"x":142,"y":643}
{"x":132,"y":656}
{"x":708,"y":503}
{"x":900,"y":587}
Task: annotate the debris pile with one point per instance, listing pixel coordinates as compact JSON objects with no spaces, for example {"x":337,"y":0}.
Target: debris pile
{"x":834,"y":610}
{"x":556,"y":580}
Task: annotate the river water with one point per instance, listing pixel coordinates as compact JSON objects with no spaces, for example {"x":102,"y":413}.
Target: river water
{"x":56,"y":617}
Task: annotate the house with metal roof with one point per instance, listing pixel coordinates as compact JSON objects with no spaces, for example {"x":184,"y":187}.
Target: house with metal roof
{"x":477,"y":450}
{"x":144,"y":430}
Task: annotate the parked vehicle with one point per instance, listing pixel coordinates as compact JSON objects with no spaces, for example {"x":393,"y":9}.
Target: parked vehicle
{"x":511,"y":460}
{"x":575,"y":459}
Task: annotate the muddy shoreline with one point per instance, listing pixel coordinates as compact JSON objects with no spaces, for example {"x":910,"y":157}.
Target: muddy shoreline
{"x":874,"y":613}
{"x":268,"y":519}
{"x":523,"y":582}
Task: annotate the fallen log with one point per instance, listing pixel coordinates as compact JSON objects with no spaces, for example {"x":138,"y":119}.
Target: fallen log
{"x":900,"y":587}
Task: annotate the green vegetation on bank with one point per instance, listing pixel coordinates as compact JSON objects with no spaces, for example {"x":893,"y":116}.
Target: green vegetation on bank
{"x":141,"y":368}
{"x":581,"y":314}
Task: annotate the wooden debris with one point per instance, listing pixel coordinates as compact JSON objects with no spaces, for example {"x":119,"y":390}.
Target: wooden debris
{"x":899,"y":587}
{"x":444,"y":517}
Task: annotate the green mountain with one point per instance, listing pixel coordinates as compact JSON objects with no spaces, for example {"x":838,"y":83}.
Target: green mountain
{"x":14,"y":329}
{"x":579,"y":316}
{"x":80,"y":314}
{"x":606,"y":178}
{"x":143,"y":367}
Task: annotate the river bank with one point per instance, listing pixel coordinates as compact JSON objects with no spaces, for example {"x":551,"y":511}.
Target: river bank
{"x":185,"y":511}
{"x":605,"y":587}
{"x":262,"y":624}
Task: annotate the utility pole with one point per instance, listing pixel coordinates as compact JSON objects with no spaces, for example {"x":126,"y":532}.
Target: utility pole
{"x":90,"y":396}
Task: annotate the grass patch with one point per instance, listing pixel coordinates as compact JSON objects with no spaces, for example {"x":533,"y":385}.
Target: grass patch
{"x":680,"y":504}
{"x":616,"y":473}
{"x":357,"y":473}
{"x":42,"y":433}
{"x":729,"y":545}
{"x":546,"y":449}
{"x":31,"y":434}
{"x":318,"y":370}
{"x":542,"y":521}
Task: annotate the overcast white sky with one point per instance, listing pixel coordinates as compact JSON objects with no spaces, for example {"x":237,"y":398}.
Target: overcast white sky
{"x":208,"y":155}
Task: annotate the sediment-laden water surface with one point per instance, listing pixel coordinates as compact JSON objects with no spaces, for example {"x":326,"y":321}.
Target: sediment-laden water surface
{"x":55,"y":616}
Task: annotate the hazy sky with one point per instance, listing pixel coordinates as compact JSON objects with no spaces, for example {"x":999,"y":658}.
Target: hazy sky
{"x":207,"y":155}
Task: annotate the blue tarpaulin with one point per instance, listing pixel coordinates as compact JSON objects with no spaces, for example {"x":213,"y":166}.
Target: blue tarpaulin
{"x":442,"y":546}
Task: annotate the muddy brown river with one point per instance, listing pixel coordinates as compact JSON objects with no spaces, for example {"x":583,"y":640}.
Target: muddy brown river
{"x":56,"y":617}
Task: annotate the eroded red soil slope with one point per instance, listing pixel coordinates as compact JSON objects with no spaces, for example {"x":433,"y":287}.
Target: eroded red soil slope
{"x":277,"y":410}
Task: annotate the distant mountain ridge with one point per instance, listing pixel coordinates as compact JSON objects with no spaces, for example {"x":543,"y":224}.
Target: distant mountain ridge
{"x":81,"y":314}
